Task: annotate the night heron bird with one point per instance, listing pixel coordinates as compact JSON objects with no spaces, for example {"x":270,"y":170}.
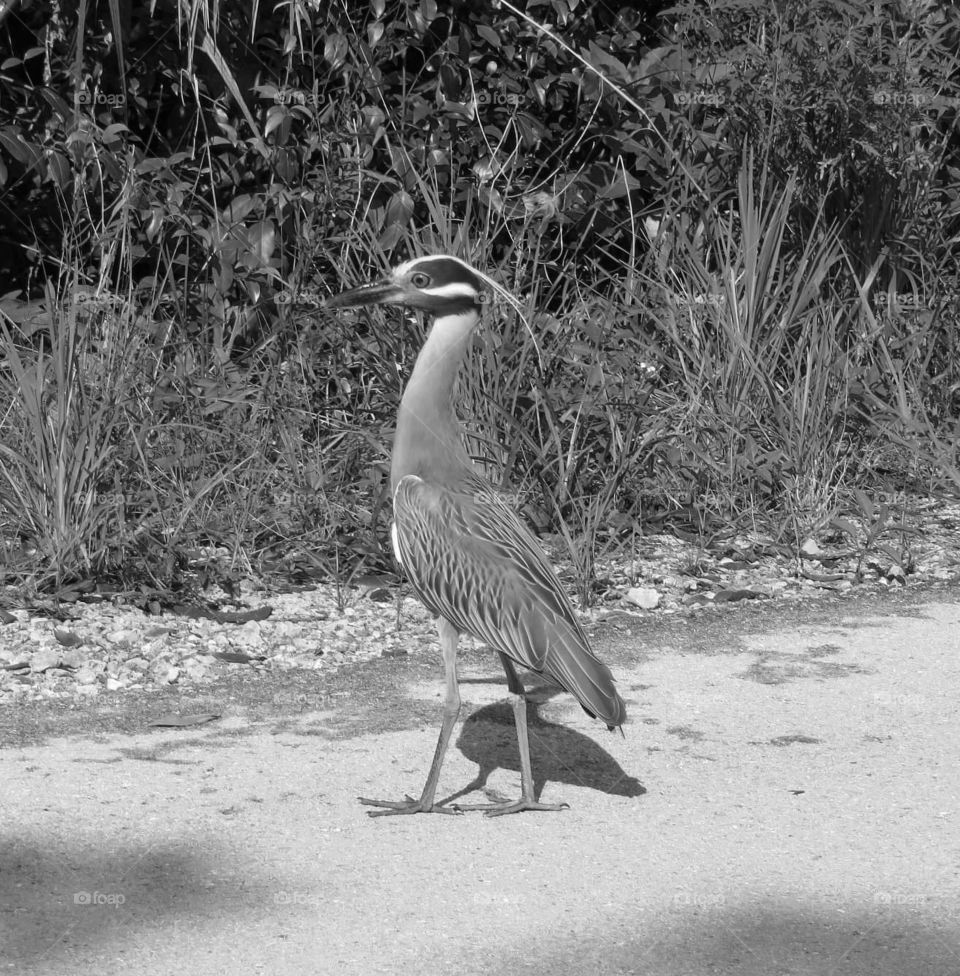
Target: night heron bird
{"x":466,"y":553}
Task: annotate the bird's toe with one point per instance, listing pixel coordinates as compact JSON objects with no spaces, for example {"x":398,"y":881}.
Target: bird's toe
{"x":407,"y":805}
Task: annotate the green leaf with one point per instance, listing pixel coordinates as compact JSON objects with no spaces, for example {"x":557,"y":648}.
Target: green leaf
{"x":489,"y":35}
{"x":863,"y":500}
{"x":844,"y":526}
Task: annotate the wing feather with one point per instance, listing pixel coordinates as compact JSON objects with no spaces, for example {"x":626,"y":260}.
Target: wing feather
{"x":471,"y":560}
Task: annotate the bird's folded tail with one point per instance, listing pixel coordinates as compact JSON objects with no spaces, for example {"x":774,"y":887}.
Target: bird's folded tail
{"x":573,"y":665}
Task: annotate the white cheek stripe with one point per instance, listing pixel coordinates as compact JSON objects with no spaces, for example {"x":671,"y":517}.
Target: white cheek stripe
{"x":456,"y":289}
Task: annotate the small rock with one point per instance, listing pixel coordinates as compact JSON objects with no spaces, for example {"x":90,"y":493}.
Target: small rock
{"x":196,"y":668}
{"x":44,"y":659}
{"x":250,"y":634}
{"x":66,"y":637}
{"x":172,"y":676}
{"x":86,"y":676}
{"x":90,"y":690}
{"x":114,"y":684}
{"x":122,"y":636}
{"x":811,"y":549}
{"x":136,"y":664}
{"x":154,"y":633}
{"x":644,"y":597}
{"x":733,"y":564}
{"x":59,"y":672}
{"x":732,"y":596}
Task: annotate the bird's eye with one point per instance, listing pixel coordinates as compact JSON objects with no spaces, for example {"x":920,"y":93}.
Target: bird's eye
{"x":420,"y":280}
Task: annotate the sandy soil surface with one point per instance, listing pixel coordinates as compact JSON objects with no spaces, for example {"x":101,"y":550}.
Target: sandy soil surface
{"x":786,"y":800}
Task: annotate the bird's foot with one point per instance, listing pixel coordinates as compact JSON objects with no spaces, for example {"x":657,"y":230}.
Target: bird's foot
{"x":504,"y":807}
{"x":406,"y":805}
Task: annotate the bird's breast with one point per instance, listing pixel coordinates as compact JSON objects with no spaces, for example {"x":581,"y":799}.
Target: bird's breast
{"x":395,"y":541}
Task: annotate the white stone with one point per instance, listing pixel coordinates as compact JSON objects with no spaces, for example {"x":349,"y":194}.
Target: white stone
{"x":644,"y":597}
{"x":249,"y":634}
{"x":122,"y":636}
{"x":44,"y":659}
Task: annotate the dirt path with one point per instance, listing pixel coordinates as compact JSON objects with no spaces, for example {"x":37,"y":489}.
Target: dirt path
{"x":786,"y":800}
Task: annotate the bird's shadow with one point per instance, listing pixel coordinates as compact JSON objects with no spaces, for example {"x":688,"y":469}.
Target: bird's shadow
{"x":557,"y":753}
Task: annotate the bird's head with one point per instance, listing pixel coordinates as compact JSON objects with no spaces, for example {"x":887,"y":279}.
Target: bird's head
{"x":439,"y":284}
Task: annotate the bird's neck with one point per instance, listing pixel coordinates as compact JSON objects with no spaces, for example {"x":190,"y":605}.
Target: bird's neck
{"x":428,"y":441}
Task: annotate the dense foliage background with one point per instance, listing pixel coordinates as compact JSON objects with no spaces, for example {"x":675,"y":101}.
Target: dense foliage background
{"x":732,"y":230}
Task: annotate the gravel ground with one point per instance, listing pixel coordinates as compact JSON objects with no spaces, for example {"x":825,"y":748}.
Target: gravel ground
{"x":82,"y":651}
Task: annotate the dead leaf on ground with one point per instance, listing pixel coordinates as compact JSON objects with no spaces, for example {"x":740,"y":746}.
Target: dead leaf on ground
{"x":181,"y":721}
{"x":238,"y":657}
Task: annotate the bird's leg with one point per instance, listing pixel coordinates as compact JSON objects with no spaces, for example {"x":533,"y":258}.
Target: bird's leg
{"x":528,"y":800}
{"x":449,"y":638}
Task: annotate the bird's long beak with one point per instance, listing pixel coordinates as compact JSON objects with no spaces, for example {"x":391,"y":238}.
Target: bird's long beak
{"x":377,"y":293}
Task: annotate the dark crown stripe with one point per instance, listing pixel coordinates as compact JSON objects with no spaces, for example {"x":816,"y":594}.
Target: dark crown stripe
{"x":445,"y":271}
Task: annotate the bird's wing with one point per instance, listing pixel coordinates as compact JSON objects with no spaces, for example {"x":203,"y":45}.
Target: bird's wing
{"x":471,"y":560}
